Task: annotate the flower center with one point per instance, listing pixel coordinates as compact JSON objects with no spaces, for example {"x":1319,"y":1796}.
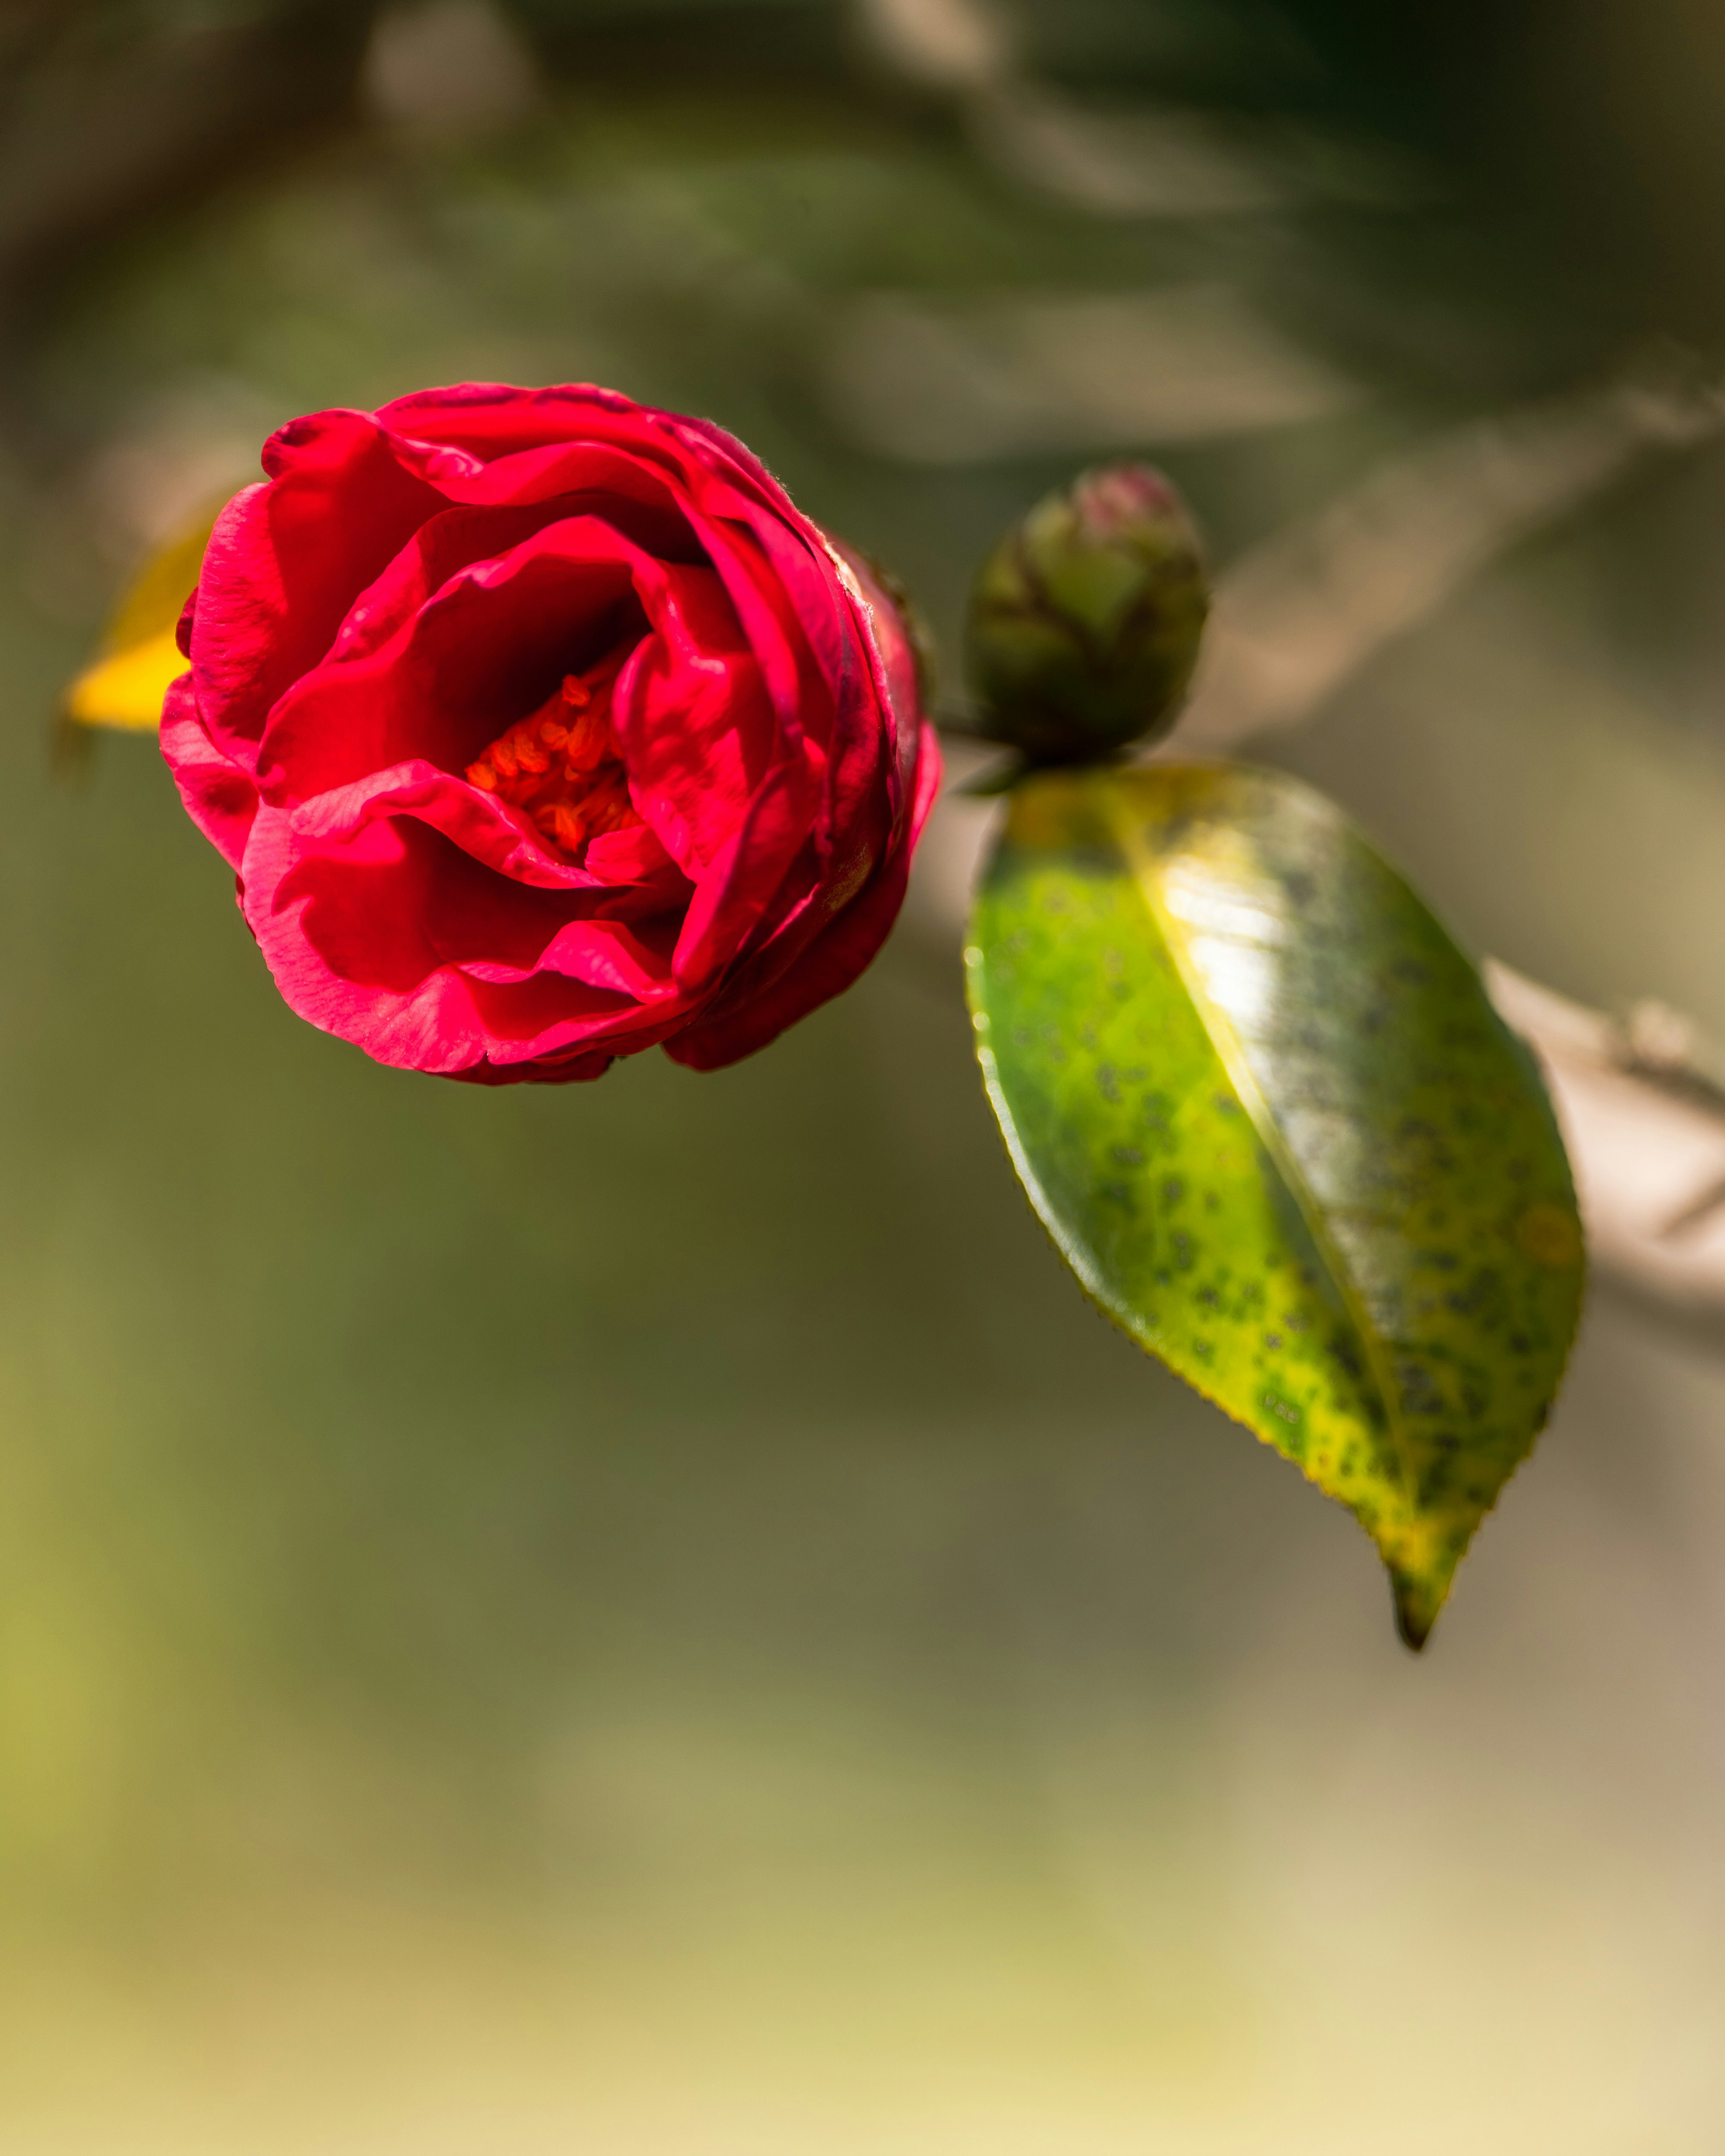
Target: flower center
{"x":560,"y":764}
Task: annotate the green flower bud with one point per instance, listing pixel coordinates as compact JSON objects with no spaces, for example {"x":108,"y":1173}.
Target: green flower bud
{"x":1084,"y":622}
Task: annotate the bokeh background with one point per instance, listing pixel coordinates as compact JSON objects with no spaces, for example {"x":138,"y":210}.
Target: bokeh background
{"x":652,"y":1618}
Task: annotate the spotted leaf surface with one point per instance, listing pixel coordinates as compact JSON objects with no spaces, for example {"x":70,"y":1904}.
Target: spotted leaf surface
{"x":1262,"y":1105}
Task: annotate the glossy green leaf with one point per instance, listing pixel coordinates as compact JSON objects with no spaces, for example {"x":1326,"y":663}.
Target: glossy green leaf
{"x":1262,"y":1105}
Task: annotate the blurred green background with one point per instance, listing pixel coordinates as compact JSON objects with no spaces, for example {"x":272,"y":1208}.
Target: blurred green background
{"x":653,"y":1617}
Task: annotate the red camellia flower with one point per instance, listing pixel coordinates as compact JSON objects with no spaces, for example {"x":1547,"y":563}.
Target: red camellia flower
{"x":540,"y":727}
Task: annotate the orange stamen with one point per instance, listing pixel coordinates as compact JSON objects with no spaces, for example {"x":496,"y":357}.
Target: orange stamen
{"x":561,"y":764}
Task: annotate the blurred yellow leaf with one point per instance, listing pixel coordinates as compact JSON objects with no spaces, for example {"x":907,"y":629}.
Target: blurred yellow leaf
{"x":127,"y":689}
{"x":140,"y":657}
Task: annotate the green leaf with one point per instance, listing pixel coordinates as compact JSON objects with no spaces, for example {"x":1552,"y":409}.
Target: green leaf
{"x":1262,"y":1105}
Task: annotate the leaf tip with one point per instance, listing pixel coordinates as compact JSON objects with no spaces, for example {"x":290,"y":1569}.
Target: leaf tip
{"x":71,"y":750}
{"x":1417,"y":1605}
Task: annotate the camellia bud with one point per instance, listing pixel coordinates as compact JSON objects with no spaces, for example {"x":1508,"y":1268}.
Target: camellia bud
{"x":1085,"y":621}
